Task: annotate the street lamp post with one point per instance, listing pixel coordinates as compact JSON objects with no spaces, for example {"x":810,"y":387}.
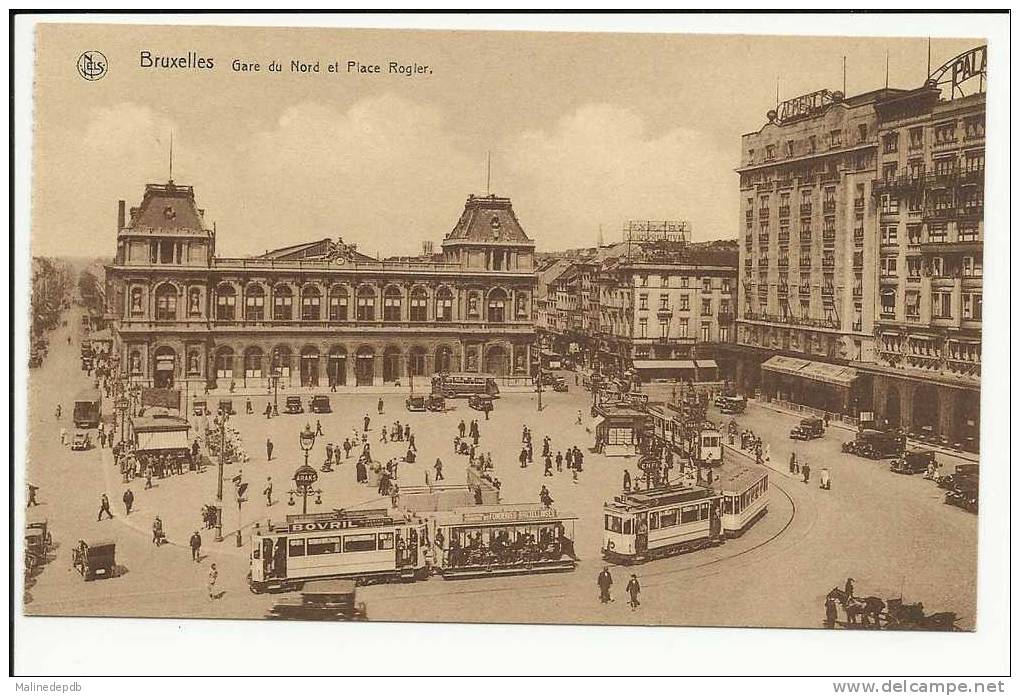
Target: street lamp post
{"x":305,"y":476}
{"x":538,"y":388}
{"x":275,"y":374}
{"x":222,"y":417}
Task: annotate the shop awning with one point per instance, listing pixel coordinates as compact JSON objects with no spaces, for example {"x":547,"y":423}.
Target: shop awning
{"x":809,"y":369}
{"x":663,"y":364}
{"x":162,"y":440}
{"x":707,"y":363}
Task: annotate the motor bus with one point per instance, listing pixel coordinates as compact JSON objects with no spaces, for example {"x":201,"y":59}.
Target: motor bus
{"x":367,"y":546}
{"x":485,"y":540}
{"x":452,"y":385}
{"x":87,"y":408}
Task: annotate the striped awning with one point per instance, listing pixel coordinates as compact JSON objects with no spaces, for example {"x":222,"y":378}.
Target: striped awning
{"x":809,"y":369}
{"x":663,"y":364}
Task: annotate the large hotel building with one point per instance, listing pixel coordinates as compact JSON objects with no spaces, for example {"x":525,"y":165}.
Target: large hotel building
{"x":860,"y":254}
{"x":319,"y":313}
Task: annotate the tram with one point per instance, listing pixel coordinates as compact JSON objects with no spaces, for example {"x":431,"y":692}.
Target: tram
{"x":485,"y":540}
{"x":668,"y":427}
{"x":644,"y":525}
{"x":745,"y":500}
{"x":368,"y":545}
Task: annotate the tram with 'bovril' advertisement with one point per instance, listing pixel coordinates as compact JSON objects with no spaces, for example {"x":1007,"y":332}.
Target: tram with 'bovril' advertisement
{"x":391,"y":545}
{"x":644,"y":525}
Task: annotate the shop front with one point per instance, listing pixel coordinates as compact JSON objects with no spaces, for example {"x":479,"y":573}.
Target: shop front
{"x":823,"y":386}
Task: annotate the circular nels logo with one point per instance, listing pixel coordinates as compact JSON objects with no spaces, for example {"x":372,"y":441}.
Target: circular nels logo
{"x":92,"y":65}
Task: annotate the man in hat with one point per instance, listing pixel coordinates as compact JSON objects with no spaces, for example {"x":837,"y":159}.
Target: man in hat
{"x":634,"y":589}
{"x":604,"y":582}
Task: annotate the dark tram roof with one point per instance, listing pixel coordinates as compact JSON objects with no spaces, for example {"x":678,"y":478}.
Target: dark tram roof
{"x":658,"y":497}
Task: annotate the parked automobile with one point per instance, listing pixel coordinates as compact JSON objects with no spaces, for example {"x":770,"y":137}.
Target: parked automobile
{"x":225,"y":406}
{"x":964,"y":493}
{"x":294,"y":405}
{"x":200,"y":408}
{"x":962,"y":471}
{"x":480,"y":402}
{"x":436,"y":402}
{"x":808,"y":429}
{"x":82,"y":441}
{"x":731,"y":405}
{"x":914,"y":461}
{"x":320,"y":404}
{"x":559,"y":385}
{"x":415,"y":403}
{"x":94,"y":558}
{"x":876,"y":444}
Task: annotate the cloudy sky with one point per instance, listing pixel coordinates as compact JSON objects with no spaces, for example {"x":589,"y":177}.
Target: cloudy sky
{"x":584,"y":130}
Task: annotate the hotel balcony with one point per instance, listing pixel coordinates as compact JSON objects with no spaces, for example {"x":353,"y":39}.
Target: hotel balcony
{"x":784,"y":211}
{"x":805,"y":209}
{"x":828,"y":207}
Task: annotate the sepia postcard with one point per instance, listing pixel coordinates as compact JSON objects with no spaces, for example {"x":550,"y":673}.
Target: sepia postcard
{"x":393,"y":325}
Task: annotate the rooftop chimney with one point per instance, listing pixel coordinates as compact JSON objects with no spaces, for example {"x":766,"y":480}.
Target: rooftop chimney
{"x":120,"y":215}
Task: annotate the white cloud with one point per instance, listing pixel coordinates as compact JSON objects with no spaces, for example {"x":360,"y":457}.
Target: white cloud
{"x":601,"y":165}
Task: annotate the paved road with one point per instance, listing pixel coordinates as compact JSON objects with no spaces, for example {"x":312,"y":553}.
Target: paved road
{"x":887,"y":531}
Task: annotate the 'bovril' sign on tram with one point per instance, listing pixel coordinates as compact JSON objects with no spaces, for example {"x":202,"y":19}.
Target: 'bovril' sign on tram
{"x":331,"y":521}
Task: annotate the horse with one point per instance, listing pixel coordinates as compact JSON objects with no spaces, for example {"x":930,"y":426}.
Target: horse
{"x":859,"y":607}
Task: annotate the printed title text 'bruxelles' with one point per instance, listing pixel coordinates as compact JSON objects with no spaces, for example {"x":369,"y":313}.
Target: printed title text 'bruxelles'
{"x":193,"y":61}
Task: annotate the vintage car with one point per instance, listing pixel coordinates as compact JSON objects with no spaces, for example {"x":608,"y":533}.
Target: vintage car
{"x":559,"y":385}
{"x":875,"y":444}
{"x":94,"y":558}
{"x":808,"y":429}
{"x":37,"y":544}
{"x":964,"y":493}
{"x":200,"y":408}
{"x":913,"y":461}
{"x":480,"y":402}
{"x":319,"y":404}
{"x":82,"y":441}
{"x":962,"y":471}
{"x":294,"y":405}
{"x":436,"y":402}
{"x":225,"y":406}
{"x":322,"y":600}
{"x":415,"y":403}
{"x":730,"y":405}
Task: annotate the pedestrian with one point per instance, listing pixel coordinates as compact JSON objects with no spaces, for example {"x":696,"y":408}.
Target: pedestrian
{"x":63,"y":436}
{"x":268,"y":412}
{"x":570,"y":458}
{"x":394,"y":494}
{"x":347,"y":448}
{"x":848,"y":588}
{"x":461,"y":428}
{"x":268,"y":491}
{"x":410,"y":441}
{"x":31,"y":495}
{"x":211,"y":583}
{"x":269,"y":449}
{"x":825,"y":483}
{"x":368,"y":420}
{"x":578,"y":416}
{"x":545,"y":446}
{"x":157,"y":531}
{"x":58,"y":411}
{"x":578,"y":459}
{"x":559,"y":461}
{"x":104,"y":506}
{"x":248,"y":409}
{"x":439,"y":469}
{"x":380,"y":404}
{"x":626,"y":481}
{"x":548,"y":466}
{"x":407,"y":431}
{"x":318,"y":427}
{"x":428,"y":479}
{"x":634,"y":589}
{"x":523,"y":458}
{"x":129,"y":500}
{"x":194,"y":450}
{"x":604,"y":582}
{"x":830,"y":612}
{"x":383,"y":436}
{"x":793,"y":461}
{"x":148,"y":476}
{"x":806,"y":469}
{"x":329,"y":452}
{"x":544,"y":497}
{"x":196,"y":544}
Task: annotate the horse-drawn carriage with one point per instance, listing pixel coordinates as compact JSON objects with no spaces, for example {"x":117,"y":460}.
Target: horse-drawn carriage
{"x":890,"y":614}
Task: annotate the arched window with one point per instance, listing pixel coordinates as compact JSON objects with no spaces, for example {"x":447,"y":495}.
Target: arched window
{"x":496,"y":313}
{"x":391,"y":304}
{"x":254,"y":303}
{"x":338,"y":303}
{"x":281,"y":360}
{"x":224,"y":363}
{"x":136,"y":301}
{"x":444,"y":304}
{"x":283,"y":303}
{"x":253,"y":363}
{"x":366,"y":303}
{"x":194,"y":302}
{"x":311,"y":298}
{"x":166,"y":302}
{"x":419,"y":305}
{"x":226,"y":300}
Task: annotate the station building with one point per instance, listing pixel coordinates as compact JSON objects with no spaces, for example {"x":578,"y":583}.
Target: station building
{"x":318,"y":313}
